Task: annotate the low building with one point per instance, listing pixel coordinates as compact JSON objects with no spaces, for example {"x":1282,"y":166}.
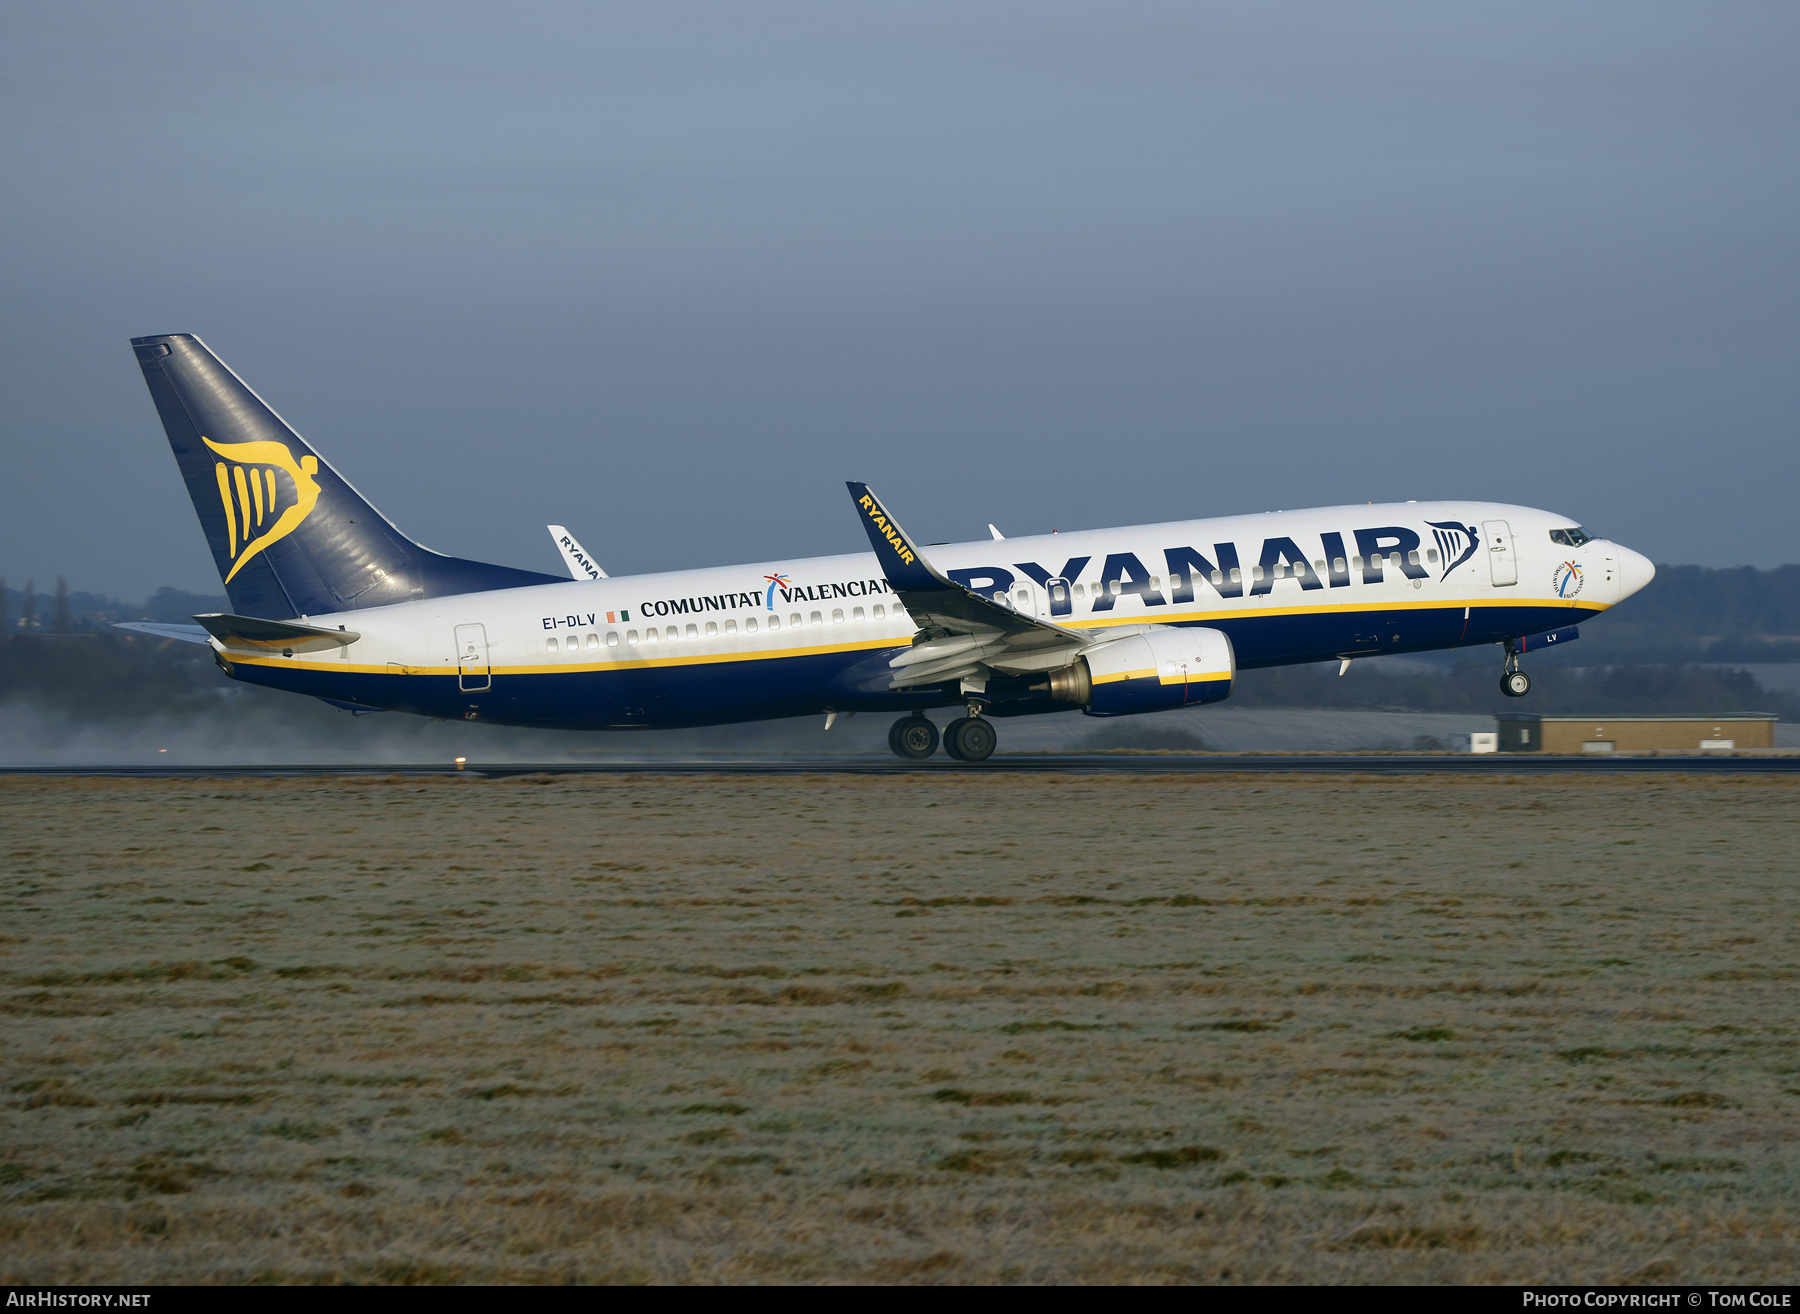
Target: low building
{"x":1525,"y":732}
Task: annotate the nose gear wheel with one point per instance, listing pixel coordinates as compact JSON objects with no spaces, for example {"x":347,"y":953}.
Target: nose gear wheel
{"x":1514,"y":683}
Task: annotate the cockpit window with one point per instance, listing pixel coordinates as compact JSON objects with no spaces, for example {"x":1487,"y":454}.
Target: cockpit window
{"x":1571,"y":537}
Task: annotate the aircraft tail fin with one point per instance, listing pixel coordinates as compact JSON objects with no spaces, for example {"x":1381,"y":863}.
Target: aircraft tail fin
{"x":289,"y":535}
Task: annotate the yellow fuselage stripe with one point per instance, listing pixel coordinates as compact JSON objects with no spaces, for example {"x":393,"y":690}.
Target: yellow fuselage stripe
{"x":551,"y":667}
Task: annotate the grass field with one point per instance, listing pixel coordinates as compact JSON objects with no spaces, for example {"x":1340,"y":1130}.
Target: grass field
{"x":924,"y":1029}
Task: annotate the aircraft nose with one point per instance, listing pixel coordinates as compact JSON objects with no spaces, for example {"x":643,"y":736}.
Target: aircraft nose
{"x":1635,"y":571}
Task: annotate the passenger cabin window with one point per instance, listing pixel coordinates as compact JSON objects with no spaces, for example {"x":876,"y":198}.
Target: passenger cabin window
{"x":731,"y":627}
{"x":1256,"y":573}
{"x":1218,"y":578}
{"x":1431,"y":555}
{"x":1115,"y":588}
{"x":593,"y":640}
{"x":693,"y":631}
{"x":880,"y":611}
{"x":1156,"y":584}
{"x":1413,"y":557}
{"x":1337,"y":565}
{"x":794,"y":620}
{"x":612,"y":638}
{"x":1237,"y":576}
{"x":1023,"y":597}
{"x":1356,"y":563}
{"x":650,"y":635}
{"x":1079,"y":592}
{"x":837,"y":615}
{"x":856,"y":614}
{"x":550,"y":644}
{"x":1318,"y":567}
{"x":674,"y":634}
{"x":774,"y":622}
{"x":631,"y":636}
{"x":712,"y":629}
{"x":816,"y":619}
{"x":750,"y":625}
{"x":1059,"y":594}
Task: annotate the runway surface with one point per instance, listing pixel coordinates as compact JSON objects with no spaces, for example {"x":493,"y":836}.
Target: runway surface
{"x":1042,"y":764}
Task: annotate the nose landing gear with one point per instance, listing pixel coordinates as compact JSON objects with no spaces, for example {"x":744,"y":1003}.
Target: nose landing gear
{"x":1514,"y":683}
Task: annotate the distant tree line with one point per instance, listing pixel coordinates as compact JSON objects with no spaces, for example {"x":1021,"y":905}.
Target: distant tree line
{"x":1472,"y":686}
{"x":22,"y":610}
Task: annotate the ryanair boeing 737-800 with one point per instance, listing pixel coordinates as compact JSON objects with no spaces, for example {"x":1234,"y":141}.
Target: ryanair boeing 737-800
{"x":330,"y":599}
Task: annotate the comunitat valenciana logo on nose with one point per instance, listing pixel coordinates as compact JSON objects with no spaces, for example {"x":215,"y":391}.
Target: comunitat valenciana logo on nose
{"x":1567,"y":579}
{"x":252,"y":495}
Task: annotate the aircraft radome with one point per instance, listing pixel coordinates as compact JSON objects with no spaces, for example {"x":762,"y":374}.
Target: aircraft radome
{"x":330,"y":599}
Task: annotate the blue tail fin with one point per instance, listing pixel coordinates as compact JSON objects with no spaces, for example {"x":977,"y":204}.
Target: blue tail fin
{"x":290,"y":536}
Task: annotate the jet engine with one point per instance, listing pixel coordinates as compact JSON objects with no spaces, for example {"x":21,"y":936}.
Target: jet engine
{"x":1149,"y":672}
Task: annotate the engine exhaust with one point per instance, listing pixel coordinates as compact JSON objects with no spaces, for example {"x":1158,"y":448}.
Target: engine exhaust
{"x":1071,"y":683}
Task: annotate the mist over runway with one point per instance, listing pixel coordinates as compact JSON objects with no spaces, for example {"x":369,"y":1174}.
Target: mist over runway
{"x":1134,"y":764}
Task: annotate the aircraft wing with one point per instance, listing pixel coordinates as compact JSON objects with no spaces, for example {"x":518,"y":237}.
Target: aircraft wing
{"x":961,"y":632}
{"x":186,"y":633}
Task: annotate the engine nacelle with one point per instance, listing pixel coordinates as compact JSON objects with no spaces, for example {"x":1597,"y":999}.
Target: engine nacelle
{"x":1149,"y":672}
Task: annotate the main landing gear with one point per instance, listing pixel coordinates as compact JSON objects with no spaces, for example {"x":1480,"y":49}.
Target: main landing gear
{"x":967,"y":739}
{"x":1514,"y":683}
{"x":913,"y":737}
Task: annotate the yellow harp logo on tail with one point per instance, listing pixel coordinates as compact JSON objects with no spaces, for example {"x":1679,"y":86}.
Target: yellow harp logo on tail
{"x":251,"y":493}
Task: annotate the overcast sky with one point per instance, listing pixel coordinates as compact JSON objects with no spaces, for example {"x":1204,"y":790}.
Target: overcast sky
{"x":670,"y":273}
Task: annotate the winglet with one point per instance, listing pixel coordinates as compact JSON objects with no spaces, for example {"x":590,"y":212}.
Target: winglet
{"x":575,"y":557}
{"x":900,"y":561}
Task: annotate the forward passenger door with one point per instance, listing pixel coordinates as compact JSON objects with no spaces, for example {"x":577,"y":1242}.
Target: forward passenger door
{"x":1503,"y":563}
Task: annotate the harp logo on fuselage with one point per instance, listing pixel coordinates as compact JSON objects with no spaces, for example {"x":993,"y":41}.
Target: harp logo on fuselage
{"x":261,"y":484}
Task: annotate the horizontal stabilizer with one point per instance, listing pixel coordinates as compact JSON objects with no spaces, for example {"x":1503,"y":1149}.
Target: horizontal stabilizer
{"x":186,"y":633}
{"x":249,"y":634}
